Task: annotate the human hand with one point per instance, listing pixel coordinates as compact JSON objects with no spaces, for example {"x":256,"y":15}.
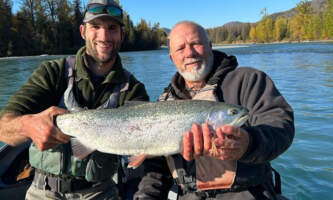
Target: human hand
{"x":41,"y":129}
{"x":231,"y":143}
{"x":197,"y":142}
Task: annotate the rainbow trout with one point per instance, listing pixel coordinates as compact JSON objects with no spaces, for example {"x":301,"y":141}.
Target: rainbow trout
{"x":150,"y":128}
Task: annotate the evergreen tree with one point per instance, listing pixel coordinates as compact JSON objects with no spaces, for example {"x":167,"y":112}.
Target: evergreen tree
{"x":77,"y":21}
{"x":65,"y":36}
{"x":130,"y":35}
{"x":51,"y":12}
{"x":22,"y":36}
{"x":5,"y":24}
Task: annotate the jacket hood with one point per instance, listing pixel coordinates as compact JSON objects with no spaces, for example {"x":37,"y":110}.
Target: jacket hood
{"x":222,"y":65}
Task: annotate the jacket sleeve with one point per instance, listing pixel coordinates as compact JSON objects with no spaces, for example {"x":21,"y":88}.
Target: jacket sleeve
{"x":271,"y":123}
{"x":156,"y":182}
{"x":40,"y":91}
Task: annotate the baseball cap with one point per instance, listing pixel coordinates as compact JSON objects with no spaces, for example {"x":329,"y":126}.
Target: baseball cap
{"x":103,"y":8}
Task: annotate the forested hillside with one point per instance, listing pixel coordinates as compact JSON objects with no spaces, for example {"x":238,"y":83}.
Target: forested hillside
{"x":52,"y":27}
{"x":308,"y":21}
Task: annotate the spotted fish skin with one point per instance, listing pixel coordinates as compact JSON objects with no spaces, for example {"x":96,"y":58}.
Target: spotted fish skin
{"x":152,"y":128}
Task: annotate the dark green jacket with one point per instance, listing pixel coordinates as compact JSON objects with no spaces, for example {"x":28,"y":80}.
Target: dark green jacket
{"x":45,"y":88}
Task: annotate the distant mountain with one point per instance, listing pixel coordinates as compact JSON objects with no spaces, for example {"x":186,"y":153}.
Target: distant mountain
{"x":166,"y":30}
{"x":234,"y":23}
{"x":318,"y":6}
{"x":288,"y":13}
{"x":235,"y":31}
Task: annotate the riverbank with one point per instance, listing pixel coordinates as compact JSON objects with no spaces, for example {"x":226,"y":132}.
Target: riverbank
{"x":276,"y":42}
{"x":215,"y":46}
{"x":33,"y":56}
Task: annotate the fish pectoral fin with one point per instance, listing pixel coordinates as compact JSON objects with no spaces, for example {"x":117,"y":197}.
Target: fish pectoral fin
{"x":136,"y":160}
{"x":80,"y":151}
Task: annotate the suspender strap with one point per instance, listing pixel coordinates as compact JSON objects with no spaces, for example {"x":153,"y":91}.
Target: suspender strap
{"x":70,"y":66}
{"x":180,"y":170}
{"x":70,"y":63}
{"x":187,"y":182}
{"x":69,"y":99}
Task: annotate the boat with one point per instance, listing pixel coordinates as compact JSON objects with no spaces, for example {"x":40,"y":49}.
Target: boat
{"x":15,"y":172}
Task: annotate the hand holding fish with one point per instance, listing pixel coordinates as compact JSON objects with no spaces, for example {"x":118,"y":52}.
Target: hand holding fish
{"x":196,"y":142}
{"x":41,"y":129}
{"x":230,"y":143}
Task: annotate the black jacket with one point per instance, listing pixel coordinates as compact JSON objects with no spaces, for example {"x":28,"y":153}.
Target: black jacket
{"x":270,"y":126}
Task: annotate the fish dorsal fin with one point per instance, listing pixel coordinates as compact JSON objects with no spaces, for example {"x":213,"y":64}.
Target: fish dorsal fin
{"x":80,"y":151}
{"x":136,"y":160}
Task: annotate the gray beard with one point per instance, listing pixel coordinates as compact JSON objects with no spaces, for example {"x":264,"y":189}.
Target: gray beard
{"x":197,"y":75}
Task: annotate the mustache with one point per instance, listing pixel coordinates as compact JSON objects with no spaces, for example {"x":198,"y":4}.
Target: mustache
{"x":191,"y":60}
{"x":104,"y":42}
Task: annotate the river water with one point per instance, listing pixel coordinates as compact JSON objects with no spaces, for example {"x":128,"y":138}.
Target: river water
{"x":302,"y":72}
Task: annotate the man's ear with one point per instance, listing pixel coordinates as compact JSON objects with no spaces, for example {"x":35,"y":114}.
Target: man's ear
{"x":170,"y":56}
{"x":83,"y":31}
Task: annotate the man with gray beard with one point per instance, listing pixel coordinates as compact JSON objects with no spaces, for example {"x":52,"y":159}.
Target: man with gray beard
{"x":93,"y":79}
{"x":229,"y":162}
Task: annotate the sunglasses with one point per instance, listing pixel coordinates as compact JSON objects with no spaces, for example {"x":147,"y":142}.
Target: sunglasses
{"x":96,"y":8}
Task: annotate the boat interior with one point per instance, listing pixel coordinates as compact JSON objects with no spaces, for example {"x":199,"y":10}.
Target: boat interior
{"x":16,"y":173}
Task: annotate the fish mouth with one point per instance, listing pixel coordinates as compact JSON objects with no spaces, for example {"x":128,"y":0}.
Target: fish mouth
{"x":241,"y":120}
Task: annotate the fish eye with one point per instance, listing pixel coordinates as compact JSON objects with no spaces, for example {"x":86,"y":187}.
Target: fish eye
{"x":232,"y":111}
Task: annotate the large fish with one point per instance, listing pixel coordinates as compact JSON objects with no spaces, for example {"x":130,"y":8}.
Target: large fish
{"x":151,"y":128}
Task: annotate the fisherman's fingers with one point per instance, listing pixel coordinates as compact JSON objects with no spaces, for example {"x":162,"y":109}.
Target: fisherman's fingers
{"x":219,"y":133}
{"x":54,"y":133}
{"x":228,"y":148}
{"x":59,"y":136}
{"x":207,"y":138}
{"x":53,"y":111}
{"x":187,"y":146}
{"x":197,"y":140}
{"x":42,"y":146}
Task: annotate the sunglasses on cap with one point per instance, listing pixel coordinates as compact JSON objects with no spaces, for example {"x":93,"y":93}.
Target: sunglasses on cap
{"x":96,"y":8}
